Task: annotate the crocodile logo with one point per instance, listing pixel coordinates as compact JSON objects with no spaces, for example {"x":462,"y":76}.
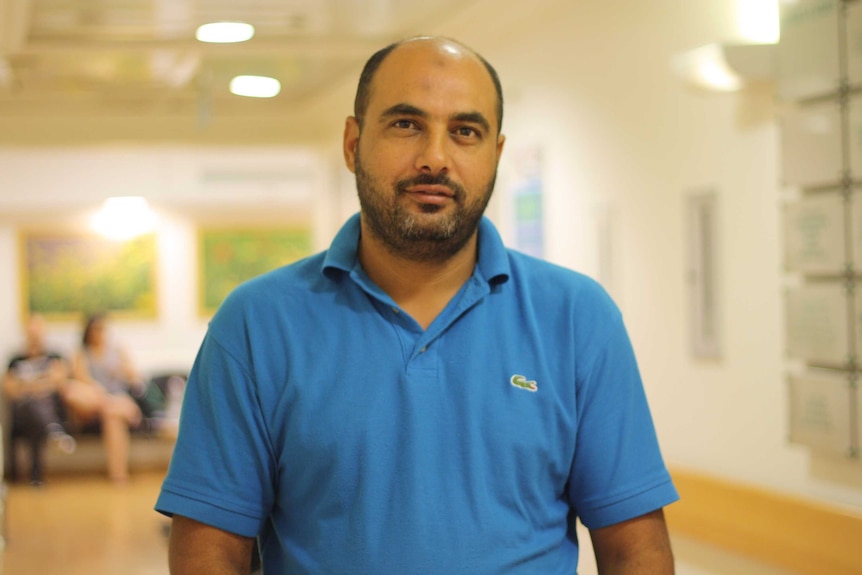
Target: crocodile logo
{"x":522,"y":382}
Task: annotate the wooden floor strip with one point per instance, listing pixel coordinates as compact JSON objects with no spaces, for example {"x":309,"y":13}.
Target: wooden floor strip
{"x":796,"y":534}
{"x":85,"y":525}
{"x":80,"y":525}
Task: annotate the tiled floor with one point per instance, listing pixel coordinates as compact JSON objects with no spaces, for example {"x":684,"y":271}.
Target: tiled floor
{"x":86,"y":526}
{"x":696,"y":558}
{"x":692,"y":558}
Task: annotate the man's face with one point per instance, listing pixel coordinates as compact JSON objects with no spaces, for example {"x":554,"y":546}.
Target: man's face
{"x":35,"y":331}
{"x":426,"y":158}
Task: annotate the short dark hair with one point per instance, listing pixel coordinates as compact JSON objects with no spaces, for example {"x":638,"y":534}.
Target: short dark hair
{"x":363,"y":90}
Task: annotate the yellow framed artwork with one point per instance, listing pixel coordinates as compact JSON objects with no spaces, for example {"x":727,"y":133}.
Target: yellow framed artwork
{"x":67,"y":274}
{"x":230,"y":256}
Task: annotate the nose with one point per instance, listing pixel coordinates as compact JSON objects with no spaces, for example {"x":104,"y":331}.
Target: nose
{"x":433,"y":156}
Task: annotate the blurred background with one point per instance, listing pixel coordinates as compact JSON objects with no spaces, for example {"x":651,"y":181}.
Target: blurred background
{"x":622,"y":156}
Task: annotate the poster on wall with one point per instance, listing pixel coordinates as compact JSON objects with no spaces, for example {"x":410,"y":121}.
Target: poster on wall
{"x":817,"y":324}
{"x":526,"y":191}
{"x":821,"y":412}
{"x":811,"y":144}
{"x":230,"y":256}
{"x":814,"y":235}
{"x":67,"y":275}
{"x":808,"y":53}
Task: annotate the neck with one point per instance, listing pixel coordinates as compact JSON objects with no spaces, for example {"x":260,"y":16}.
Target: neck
{"x":421,"y":288}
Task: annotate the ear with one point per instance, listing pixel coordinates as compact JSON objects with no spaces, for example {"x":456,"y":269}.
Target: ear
{"x":351,"y":140}
{"x":501,"y":140}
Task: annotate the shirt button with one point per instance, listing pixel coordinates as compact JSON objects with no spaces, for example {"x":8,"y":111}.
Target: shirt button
{"x":396,"y":310}
{"x":423,"y":350}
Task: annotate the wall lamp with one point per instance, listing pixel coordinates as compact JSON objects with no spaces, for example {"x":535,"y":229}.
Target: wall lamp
{"x":726,"y":67}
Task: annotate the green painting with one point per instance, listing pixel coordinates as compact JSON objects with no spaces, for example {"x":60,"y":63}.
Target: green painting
{"x":66,"y":275}
{"x":230,"y":257}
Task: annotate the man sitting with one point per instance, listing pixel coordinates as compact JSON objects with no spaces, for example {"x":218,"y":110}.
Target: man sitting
{"x":33,"y":384}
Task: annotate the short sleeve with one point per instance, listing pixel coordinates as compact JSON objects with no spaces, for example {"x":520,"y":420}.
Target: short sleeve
{"x":617,"y":472}
{"x":221,"y":472}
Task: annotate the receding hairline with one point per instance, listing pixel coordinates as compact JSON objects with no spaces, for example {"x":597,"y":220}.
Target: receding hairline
{"x":369,"y":72}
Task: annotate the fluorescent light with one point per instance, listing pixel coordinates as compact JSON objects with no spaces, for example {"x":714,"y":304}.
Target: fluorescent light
{"x":123,"y":218}
{"x":758,"y":21}
{"x":255,"y":86}
{"x":225,"y":32}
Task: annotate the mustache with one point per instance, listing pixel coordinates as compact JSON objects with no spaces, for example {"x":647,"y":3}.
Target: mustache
{"x":429,"y":180}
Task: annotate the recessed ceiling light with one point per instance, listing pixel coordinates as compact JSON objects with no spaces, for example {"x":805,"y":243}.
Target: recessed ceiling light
{"x":255,"y":86}
{"x":225,"y":32}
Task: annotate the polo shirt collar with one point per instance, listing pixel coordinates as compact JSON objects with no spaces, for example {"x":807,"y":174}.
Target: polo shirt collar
{"x":342,"y":253}
{"x":493,"y":264}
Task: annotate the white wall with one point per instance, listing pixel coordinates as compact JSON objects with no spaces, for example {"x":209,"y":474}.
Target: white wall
{"x":590,"y":83}
{"x":188,"y":188}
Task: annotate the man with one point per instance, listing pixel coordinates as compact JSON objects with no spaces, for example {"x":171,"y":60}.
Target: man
{"x":33,"y":384}
{"x":418,"y":399}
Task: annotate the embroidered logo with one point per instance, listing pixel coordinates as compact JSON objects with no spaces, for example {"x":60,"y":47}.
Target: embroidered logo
{"x":521,"y":382}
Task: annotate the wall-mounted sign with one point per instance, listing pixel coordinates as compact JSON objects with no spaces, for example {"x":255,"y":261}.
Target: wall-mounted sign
{"x":808,"y":61}
{"x":817,"y":324}
{"x":704,"y":274}
{"x":811,"y":144}
{"x":854,"y":43}
{"x":814,"y":235}
{"x":820,"y":412}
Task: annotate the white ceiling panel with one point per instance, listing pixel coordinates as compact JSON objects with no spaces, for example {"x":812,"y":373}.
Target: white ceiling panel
{"x":65,"y":63}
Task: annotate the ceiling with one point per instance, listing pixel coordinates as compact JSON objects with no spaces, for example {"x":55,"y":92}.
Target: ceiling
{"x":102,"y":70}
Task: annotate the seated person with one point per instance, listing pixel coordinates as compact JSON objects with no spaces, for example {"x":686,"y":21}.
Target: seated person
{"x":104,"y":378}
{"x":32,"y":385}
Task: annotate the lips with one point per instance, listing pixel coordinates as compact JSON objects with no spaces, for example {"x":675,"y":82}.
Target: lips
{"x":430,"y":194}
{"x":431,"y":190}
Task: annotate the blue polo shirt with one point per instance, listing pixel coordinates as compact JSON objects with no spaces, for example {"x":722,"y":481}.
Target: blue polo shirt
{"x":323,"y":419}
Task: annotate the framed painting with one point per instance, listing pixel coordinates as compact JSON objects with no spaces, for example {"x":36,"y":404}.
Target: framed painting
{"x":65,"y":275}
{"x":230,"y":256}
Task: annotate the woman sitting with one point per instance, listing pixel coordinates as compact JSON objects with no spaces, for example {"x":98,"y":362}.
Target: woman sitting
{"x":105,"y":378}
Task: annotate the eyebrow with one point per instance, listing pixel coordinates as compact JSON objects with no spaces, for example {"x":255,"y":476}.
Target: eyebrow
{"x":410,"y":110}
{"x":403,"y":110}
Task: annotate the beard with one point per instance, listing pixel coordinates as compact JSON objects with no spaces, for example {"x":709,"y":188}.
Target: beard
{"x":427,"y":237}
